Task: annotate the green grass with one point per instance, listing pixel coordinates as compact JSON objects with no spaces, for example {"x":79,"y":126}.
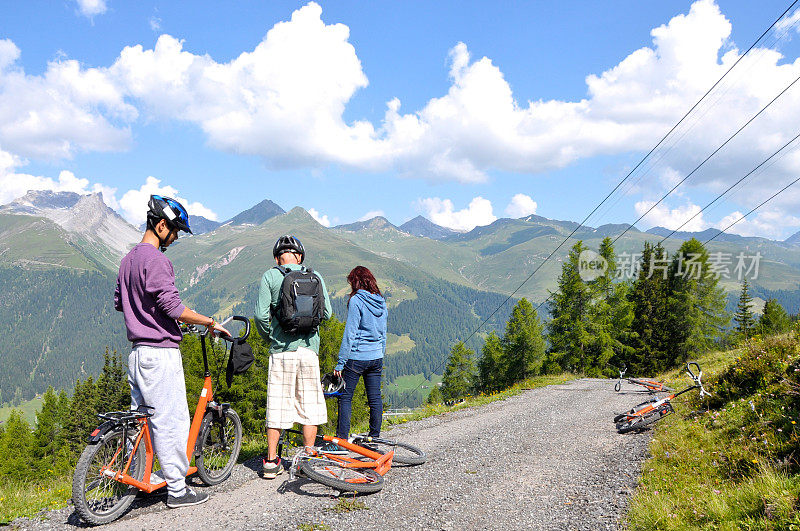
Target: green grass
{"x":729,"y":462}
{"x":413,"y":381}
{"x":29,"y":409}
{"x":26,"y":498}
{"x":395,"y":343}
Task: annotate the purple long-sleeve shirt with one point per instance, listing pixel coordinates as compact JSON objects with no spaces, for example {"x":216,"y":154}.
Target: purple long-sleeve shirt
{"x":147,"y":297}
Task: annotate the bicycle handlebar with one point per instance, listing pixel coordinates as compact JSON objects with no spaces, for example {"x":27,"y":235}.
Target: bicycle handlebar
{"x":697,"y":377}
{"x":193,"y":328}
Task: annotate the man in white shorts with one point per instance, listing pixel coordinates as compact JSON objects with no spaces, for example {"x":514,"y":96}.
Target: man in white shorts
{"x":294,"y":392}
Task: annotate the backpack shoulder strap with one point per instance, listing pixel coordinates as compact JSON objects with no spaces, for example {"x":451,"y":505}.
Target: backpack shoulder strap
{"x":282,"y":269}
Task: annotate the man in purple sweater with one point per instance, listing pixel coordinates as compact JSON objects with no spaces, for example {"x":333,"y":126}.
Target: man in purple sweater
{"x":147,"y":297}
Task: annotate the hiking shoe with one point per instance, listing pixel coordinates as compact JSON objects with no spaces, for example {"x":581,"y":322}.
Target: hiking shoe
{"x":270,"y":469}
{"x":332,"y":448}
{"x":189,"y":498}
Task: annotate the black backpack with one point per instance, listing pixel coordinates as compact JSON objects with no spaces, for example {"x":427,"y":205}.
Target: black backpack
{"x":302,"y":303}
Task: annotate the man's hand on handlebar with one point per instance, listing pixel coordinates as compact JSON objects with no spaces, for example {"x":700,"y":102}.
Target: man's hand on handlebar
{"x":216,"y":328}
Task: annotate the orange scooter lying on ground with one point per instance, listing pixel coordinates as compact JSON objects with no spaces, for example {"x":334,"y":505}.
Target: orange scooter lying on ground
{"x":649,"y":412}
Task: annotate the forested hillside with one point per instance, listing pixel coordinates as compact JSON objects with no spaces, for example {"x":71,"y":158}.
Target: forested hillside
{"x":54,"y":326}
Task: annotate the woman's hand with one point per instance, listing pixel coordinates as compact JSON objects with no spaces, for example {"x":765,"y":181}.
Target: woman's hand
{"x":338,"y":374}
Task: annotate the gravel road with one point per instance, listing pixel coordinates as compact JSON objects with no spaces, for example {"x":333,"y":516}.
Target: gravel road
{"x":548,"y":458}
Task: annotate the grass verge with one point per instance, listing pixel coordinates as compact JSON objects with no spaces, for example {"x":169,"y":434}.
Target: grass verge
{"x":731,"y":461}
{"x":26,"y":498}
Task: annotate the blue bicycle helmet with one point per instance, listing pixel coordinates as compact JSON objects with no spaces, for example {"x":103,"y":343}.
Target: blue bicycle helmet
{"x":168,"y":209}
{"x":332,"y":385}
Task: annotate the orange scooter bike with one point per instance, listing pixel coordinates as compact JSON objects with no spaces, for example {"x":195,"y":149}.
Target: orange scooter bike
{"x":117,"y":462}
{"x":652,"y":386}
{"x":654,"y":410}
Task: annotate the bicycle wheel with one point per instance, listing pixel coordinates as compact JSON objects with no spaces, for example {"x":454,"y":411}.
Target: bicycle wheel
{"x":219,"y":443}
{"x":642,"y":421}
{"x":617,"y":387}
{"x":404,"y":454}
{"x":98,"y":498}
{"x":333,"y":474}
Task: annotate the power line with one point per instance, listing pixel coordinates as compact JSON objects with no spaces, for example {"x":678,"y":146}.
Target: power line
{"x":773,"y":196}
{"x":619,"y":184}
{"x":731,"y":187}
{"x":756,"y":115}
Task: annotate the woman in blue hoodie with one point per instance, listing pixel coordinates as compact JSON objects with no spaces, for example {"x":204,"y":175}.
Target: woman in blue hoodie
{"x":363,"y":346}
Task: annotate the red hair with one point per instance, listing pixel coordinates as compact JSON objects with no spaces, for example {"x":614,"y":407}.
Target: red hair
{"x":361,"y":278}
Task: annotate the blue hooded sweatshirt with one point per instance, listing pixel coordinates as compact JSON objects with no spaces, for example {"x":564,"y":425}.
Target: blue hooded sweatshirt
{"x":365,"y":330}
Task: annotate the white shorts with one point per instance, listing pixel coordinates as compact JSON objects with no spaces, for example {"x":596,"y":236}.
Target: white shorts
{"x":294,"y":391}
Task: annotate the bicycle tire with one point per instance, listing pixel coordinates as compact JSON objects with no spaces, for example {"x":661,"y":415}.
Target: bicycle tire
{"x":617,"y":387}
{"x":404,"y":454}
{"x":217,"y":457}
{"x":97,"y":509}
{"x":643,"y":421}
{"x":332,"y":474}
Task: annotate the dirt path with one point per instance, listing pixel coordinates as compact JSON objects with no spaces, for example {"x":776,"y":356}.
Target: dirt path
{"x":548,"y":458}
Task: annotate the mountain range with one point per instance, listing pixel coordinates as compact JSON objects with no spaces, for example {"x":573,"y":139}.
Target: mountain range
{"x":59,"y":254}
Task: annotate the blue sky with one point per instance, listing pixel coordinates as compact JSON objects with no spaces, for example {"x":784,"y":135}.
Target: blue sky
{"x":460,"y":111}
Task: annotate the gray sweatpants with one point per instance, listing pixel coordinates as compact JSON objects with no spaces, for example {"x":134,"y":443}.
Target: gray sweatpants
{"x":155,"y":375}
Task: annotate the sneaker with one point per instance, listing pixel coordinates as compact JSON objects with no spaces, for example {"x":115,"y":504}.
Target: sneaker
{"x":332,"y":448}
{"x":270,"y":469}
{"x":189,"y":498}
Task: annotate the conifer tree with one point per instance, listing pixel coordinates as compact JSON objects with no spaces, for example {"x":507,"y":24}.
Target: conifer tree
{"x":82,"y":417}
{"x":435,"y":396}
{"x":696,"y":305}
{"x":649,"y":297}
{"x":744,"y":312}
{"x":16,"y":448}
{"x":491,"y":364}
{"x":523,"y":344}
{"x":610,"y":317}
{"x":774,"y":319}
{"x":459,"y":375}
{"x":47,"y":450}
{"x":569,"y":335}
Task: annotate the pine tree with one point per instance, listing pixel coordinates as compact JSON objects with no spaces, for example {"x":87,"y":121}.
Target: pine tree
{"x":569,"y":336}
{"x":113,"y":390}
{"x":47,"y":451}
{"x":459,"y":375}
{"x":696,"y":305}
{"x":649,"y":326}
{"x":774,"y":319}
{"x":82,"y":417}
{"x":744,"y":313}
{"x":491,"y":364}
{"x":523,"y":344}
{"x":16,"y":448}
{"x":610,"y":316}
{"x":435,"y":396}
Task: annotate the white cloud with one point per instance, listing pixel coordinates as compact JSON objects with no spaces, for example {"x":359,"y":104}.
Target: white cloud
{"x":321,"y":219}
{"x":155,"y":23}
{"x":14,"y":184}
{"x":371,"y":214}
{"x":521,"y":205}
{"x":90,"y":8}
{"x":442,"y":212}
{"x":767,"y":224}
{"x":663,"y":216}
{"x":133,"y":203}
{"x":787,"y":23}
{"x":67,"y":109}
